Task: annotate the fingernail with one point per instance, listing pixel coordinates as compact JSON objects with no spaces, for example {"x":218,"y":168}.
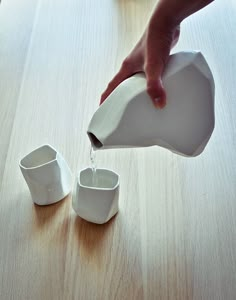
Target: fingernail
{"x":156,"y":102}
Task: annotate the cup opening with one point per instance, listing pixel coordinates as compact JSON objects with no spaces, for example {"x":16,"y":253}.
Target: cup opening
{"x":101,"y":179}
{"x":95,"y":141}
{"x":39,"y":157}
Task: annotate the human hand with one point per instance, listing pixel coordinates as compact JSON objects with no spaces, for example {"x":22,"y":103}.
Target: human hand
{"x":150,"y":56}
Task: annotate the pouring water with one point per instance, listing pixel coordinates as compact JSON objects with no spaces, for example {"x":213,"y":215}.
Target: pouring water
{"x":94,"y":167}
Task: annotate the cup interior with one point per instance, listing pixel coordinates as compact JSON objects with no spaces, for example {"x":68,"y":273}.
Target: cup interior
{"x":39,"y":157}
{"x":100,"y":179}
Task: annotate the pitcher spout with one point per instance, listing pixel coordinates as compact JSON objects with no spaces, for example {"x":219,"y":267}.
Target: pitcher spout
{"x":95,"y":142}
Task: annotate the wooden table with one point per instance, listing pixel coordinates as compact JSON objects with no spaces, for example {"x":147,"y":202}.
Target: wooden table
{"x":175,"y":234}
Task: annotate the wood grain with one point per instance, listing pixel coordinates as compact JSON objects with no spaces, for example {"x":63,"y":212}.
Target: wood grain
{"x":174,"y":237}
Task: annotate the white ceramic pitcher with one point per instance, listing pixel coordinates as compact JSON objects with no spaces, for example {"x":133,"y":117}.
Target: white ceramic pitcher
{"x":129,"y":119}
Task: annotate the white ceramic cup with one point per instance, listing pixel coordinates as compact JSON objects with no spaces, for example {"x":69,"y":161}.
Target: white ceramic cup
{"x":47,"y":175}
{"x":97,"y":196}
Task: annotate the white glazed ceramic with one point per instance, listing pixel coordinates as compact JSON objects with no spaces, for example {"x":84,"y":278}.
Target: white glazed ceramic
{"x":129,"y":119}
{"x":97,"y":198}
{"x":47,"y":175}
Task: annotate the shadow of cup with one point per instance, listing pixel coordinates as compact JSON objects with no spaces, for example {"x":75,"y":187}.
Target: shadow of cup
{"x":92,"y":237}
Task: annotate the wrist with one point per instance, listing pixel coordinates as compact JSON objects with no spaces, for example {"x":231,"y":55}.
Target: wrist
{"x":163,"y":18}
{"x":173,"y":12}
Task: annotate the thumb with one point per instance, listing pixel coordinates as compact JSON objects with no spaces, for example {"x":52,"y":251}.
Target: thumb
{"x":124,"y":72}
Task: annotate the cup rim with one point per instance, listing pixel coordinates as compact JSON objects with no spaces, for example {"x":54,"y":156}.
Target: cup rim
{"x":41,"y":165}
{"x":98,"y":188}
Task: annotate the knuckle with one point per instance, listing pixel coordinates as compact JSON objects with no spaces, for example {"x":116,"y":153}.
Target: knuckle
{"x":148,"y":67}
{"x":151,"y":85}
{"x":109,"y":85}
{"x":151,"y":91}
{"x":127,"y":64}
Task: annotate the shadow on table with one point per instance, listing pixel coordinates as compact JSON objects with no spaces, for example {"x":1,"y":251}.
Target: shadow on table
{"x":92,"y":237}
{"x":45,"y":215}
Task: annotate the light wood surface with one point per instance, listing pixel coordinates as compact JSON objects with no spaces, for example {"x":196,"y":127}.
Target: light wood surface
{"x":175,"y":234}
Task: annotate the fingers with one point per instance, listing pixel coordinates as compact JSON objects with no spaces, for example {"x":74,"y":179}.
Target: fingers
{"x":155,"y":87}
{"x":157,"y":92}
{"x":150,"y":56}
{"x":124,"y":73}
{"x":176,"y":35}
{"x":155,"y":64}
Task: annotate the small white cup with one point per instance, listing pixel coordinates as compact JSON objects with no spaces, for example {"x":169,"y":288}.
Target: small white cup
{"x":97,"y":196}
{"x":47,"y":175}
